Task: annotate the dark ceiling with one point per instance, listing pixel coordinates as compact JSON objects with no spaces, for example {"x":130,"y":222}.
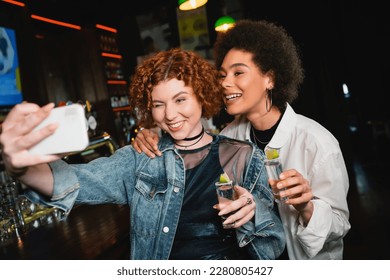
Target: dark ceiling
{"x":93,"y":11}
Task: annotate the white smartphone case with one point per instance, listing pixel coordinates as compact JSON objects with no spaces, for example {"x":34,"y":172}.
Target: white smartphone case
{"x":71,"y":134}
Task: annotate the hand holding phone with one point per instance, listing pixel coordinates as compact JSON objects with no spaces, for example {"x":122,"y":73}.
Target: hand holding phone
{"x":71,"y":134}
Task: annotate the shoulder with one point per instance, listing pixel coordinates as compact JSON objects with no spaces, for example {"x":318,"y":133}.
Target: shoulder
{"x":229,"y":141}
{"x":237,"y":128}
{"x":314,"y":137}
{"x":314,"y":129}
{"x":303,"y":128}
{"x":232,"y":147}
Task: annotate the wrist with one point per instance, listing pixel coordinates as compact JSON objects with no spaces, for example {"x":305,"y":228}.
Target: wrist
{"x":306,"y":213}
{"x":17,"y":173}
{"x":14,"y":172}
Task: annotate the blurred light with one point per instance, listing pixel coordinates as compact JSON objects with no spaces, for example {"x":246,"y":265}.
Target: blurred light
{"x":103,"y":27}
{"x":17,"y":3}
{"x":57,"y":22}
{"x":224,"y":23}
{"x":346,"y":91}
{"x":112,"y":55}
{"x":186,"y":5}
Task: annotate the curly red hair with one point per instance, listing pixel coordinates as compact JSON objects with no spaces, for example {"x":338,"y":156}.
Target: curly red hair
{"x":180,"y":64}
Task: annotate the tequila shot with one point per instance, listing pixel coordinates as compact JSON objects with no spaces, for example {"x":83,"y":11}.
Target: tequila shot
{"x":273,"y":166}
{"x":225,"y":193}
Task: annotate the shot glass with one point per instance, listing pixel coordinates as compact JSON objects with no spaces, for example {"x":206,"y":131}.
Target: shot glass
{"x":274,"y":168}
{"x":225,"y":193}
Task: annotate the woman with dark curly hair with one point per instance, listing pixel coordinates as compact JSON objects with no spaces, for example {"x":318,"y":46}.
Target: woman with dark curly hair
{"x":261,"y":71}
{"x":174,"y":211}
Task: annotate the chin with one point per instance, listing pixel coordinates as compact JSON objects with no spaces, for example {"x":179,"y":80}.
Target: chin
{"x":232,"y":112}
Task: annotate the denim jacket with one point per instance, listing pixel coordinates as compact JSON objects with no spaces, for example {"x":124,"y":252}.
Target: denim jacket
{"x":154,"y":190}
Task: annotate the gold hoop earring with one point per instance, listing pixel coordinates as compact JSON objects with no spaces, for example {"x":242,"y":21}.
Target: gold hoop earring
{"x":268,"y":97}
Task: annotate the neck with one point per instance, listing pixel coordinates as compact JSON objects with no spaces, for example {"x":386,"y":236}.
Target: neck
{"x":264,"y":121}
{"x":195,"y":137}
{"x":192,"y":141}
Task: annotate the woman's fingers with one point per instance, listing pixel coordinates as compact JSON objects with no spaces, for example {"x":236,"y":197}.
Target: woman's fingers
{"x":36,"y":136}
{"x":138,"y":142}
{"x":294,"y":186}
{"x":18,"y":135}
{"x":242,"y":209}
{"x":28,"y":114}
{"x":146,"y":141}
{"x":18,"y":132}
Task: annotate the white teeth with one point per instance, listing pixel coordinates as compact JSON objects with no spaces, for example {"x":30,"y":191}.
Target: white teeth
{"x":174,"y":125}
{"x":228,"y":97}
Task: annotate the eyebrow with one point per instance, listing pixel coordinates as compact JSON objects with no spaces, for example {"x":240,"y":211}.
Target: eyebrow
{"x":173,"y":97}
{"x":236,"y":65}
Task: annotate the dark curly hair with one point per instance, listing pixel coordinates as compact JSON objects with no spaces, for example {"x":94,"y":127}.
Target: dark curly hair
{"x":273,"y":52}
{"x":180,"y":64}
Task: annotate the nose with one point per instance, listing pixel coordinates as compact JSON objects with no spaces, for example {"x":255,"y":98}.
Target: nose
{"x":170,"y":112}
{"x":226,"y":82}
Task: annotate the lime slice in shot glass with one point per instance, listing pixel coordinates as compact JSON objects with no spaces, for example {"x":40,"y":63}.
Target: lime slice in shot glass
{"x":224,"y":178}
{"x":272,"y":153}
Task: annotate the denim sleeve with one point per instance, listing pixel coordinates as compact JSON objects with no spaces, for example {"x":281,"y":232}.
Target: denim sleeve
{"x":65,"y":191}
{"x":103,"y":180}
{"x":264,"y":234}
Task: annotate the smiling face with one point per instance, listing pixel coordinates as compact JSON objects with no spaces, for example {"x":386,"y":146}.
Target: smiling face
{"x":176,"y":110}
{"x":245,"y":86}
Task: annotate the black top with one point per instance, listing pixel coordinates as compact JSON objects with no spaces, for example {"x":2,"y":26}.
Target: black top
{"x":200,"y":234}
{"x":262,"y":137}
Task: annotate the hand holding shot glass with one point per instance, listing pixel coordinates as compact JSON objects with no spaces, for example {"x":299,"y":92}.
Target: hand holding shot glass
{"x":273,"y":166}
{"x":225,"y":193}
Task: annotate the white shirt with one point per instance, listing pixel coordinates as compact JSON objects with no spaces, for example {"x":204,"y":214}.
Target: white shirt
{"x":313,"y":151}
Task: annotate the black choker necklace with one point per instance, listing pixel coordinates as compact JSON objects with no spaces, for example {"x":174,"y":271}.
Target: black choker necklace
{"x":200,"y":136}
{"x":195,"y":137}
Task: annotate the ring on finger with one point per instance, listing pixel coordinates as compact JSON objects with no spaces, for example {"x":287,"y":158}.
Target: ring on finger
{"x":231,"y":225}
{"x":248,"y":201}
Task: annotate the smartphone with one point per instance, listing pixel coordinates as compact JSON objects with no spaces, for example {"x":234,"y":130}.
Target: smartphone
{"x":71,"y":134}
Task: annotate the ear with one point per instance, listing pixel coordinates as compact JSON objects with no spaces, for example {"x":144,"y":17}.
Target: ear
{"x":271,"y":79}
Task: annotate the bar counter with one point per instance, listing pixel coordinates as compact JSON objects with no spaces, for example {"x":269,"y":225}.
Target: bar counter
{"x":89,"y":232}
